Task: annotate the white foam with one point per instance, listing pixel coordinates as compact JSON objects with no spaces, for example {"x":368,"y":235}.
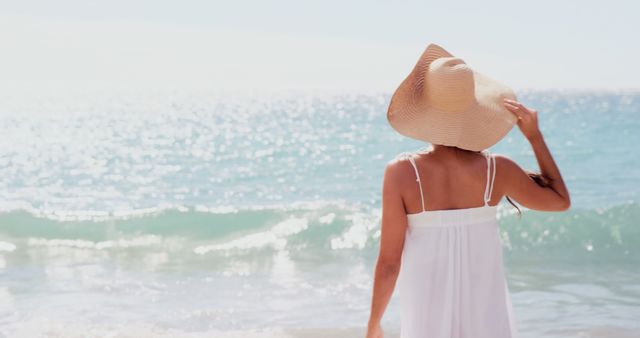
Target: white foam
{"x":357,"y":235}
{"x":140,"y":241}
{"x":6,"y":246}
{"x":275,"y":237}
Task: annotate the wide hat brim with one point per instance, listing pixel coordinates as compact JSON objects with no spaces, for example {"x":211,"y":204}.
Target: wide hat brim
{"x":480,"y":126}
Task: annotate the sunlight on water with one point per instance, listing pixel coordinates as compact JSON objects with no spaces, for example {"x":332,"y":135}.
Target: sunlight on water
{"x":198,"y":214}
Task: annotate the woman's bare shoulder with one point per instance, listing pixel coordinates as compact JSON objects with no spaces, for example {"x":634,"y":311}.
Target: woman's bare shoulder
{"x":397,"y":166}
{"x":506,"y":164}
{"x":398,"y":160}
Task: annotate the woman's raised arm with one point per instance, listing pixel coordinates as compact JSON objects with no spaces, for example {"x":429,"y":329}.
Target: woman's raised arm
{"x":519,"y":185}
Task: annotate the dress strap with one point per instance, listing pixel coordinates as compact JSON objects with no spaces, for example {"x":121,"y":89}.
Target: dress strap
{"x":415,"y":167}
{"x":491,"y":161}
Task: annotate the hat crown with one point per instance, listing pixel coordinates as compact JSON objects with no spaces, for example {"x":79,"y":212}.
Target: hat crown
{"x":443,"y":101}
{"x":449,"y":84}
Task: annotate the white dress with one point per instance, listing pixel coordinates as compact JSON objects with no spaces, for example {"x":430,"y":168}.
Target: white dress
{"x":451,"y":282}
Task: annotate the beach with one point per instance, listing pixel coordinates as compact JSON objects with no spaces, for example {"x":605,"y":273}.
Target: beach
{"x":200,"y":214}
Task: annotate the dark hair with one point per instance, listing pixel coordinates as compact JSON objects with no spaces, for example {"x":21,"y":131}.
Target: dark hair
{"x":540,"y":179}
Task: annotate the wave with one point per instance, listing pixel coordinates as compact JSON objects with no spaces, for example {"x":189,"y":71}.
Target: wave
{"x":611,"y":232}
{"x":608,"y":233}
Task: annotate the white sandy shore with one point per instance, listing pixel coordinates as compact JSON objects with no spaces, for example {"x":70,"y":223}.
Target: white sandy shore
{"x":69,"y":330}
{"x":336,"y":333}
{"x":604,"y":332}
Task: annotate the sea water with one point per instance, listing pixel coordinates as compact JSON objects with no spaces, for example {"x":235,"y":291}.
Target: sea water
{"x":201,"y":214}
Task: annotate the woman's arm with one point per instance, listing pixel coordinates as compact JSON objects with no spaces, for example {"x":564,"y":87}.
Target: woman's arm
{"x":394,"y":224}
{"x":521,"y":187}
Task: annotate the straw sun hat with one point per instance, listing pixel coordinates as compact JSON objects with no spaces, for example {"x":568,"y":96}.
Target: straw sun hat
{"x":445,"y":102}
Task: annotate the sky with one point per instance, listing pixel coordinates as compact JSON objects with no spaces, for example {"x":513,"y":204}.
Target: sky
{"x":329,"y":44}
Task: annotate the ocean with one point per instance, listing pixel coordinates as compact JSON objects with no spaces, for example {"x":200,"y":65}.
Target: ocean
{"x":208,"y":214}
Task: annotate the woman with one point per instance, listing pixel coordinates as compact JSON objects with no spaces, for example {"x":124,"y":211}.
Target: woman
{"x":439,"y":232}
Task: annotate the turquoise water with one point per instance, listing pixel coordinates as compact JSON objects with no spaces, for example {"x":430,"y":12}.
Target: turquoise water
{"x":199,"y":214}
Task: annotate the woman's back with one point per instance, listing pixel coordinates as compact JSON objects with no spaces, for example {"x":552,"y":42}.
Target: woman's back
{"x":450,"y":178}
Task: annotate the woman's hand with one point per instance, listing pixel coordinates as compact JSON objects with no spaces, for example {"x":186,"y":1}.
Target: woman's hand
{"x":545,"y":192}
{"x":527,"y":118}
{"x":374,"y":331}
